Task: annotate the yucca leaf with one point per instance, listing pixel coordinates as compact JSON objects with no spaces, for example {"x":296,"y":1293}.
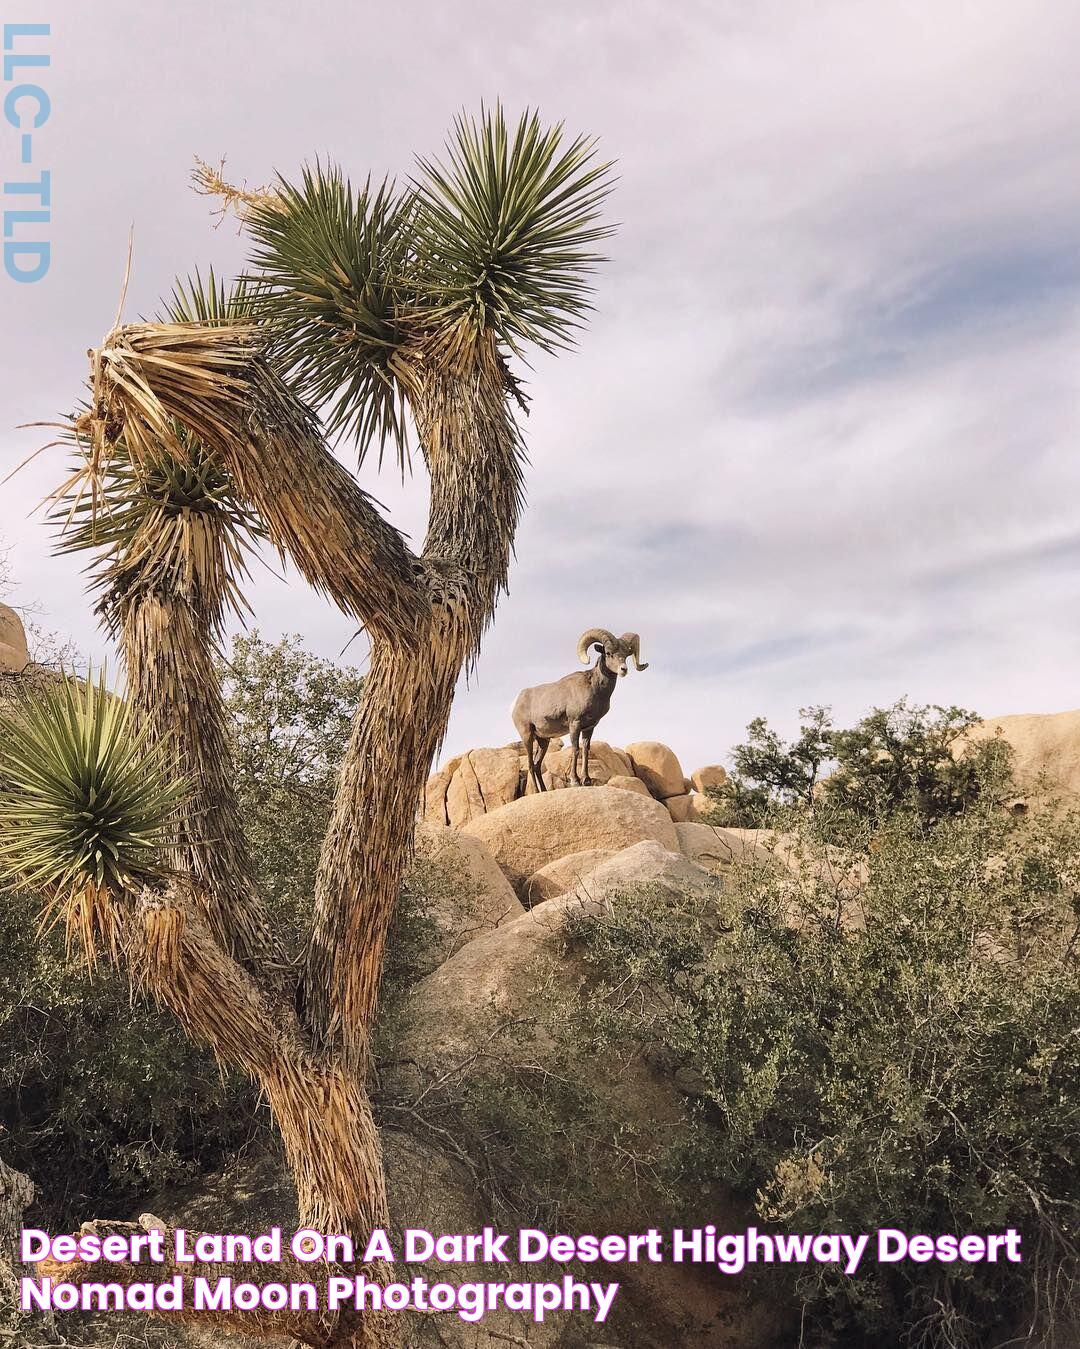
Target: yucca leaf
{"x":505,"y":228}
{"x":194,"y":300}
{"x":170,"y":519}
{"x":85,"y":803}
{"x":332,"y":267}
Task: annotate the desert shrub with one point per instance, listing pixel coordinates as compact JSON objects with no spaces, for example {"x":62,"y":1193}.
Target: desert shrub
{"x":291,"y":713}
{"x":905,"y":1058}
{"x":771,"y":772}
{"x":905,"y":757}
{"x":914,"y":759}
{"x":102,"y":1099}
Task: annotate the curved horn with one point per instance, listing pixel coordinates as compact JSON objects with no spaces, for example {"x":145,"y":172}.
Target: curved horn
{"x":632,"y":642}
{"x":586,"y":640}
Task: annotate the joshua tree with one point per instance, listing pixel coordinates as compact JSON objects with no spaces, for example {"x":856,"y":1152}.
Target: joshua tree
{"x":378,"y":308}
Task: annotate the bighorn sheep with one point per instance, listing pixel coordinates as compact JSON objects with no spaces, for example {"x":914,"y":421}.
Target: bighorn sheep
{"x":576,"y":703}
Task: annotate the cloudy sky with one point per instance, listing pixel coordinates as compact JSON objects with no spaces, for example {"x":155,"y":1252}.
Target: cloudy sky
{"x":821,"y":442}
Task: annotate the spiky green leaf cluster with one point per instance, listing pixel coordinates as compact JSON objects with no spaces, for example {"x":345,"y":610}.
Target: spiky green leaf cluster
{"x":167,"y":522}
{"x":506,"y":228}
{"x":85,"y":797}
{"x":497,"y":242}
{"x":333,"y":270}
{"x":196,"y":299}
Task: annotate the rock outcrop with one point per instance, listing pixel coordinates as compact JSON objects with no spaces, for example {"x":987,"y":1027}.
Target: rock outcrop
{"x":484,"y":780}
{"x":658,"y":767}
{"x":434,"y":807}
{"x":599,"y":870}
{"x":529,"y":833}
{"x":1045,"y":747}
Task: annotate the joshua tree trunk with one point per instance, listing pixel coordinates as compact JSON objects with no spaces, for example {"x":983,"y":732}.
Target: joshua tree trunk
{"x":319,"y":1103}
{"x":205,"y":949}
{"x":473,"y":455}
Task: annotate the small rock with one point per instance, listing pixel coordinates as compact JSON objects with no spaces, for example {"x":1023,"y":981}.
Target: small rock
{"x":14,"y":656}
{"x":679,"y":807}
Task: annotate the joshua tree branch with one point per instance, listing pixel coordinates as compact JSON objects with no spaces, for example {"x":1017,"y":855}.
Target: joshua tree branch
{"x":316,"y":512}
{"x":214,"y":380}
{"x":475,"y":459}
{"x":473,"y":454}
{"x":172,"y":680}
{"x":369,"y":841}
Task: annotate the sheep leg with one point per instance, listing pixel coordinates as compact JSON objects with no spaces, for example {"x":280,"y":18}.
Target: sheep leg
{"x":538,"y":776}
{"x":575,"y":737}
{"x":532,"y":742}
{"x":587,"y":741}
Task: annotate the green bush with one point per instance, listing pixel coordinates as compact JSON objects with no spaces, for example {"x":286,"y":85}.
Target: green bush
{"x":291,"y":715}
{"x":915,"y":759}
{"x":901,"y":1055}
{"x":899,"y":758}
{"x":102,"y":1099}
{"x":770,"y":772}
